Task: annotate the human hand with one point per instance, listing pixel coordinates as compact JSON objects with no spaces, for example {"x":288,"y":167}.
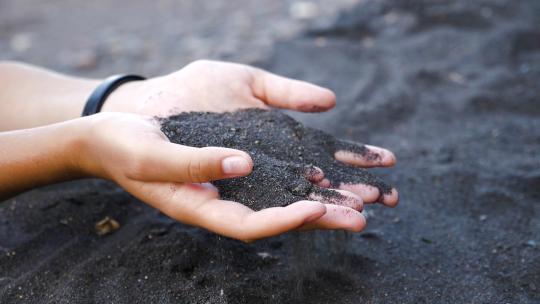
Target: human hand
{"x":132,"y":151}
{"x":213,"y":86}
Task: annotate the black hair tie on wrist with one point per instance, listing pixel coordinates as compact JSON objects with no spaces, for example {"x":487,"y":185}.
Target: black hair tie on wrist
{"x":99,"y":95}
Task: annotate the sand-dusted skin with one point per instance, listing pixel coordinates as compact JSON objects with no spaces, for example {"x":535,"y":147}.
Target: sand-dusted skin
{"x":284,"y":152}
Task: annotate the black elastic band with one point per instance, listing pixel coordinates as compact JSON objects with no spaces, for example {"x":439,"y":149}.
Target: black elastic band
{"x":97,"y":98}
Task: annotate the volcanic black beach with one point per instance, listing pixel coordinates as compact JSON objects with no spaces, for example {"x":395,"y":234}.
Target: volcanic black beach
{"x":451,"y":87}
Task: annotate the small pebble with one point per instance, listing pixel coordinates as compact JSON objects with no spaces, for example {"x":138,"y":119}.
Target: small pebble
{"x":106,"y":226}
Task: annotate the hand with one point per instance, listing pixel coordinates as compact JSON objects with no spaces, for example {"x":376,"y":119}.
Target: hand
{"x":217,"y":87}
{"x":132,"y":151}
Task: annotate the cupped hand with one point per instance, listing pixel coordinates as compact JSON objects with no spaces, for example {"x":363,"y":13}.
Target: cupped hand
{"x":132,"y":151}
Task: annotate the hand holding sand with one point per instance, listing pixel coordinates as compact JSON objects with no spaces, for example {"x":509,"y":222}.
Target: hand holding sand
{"x":288,"y":191}
{"x":211,"y":86}
{"x":132,"y":150}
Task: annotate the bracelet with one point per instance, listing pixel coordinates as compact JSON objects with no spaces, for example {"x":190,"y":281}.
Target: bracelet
{"x":99,"y":95}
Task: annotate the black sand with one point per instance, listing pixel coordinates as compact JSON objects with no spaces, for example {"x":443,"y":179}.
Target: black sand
{"x":452,"y":87}
{"x":284,"y":153}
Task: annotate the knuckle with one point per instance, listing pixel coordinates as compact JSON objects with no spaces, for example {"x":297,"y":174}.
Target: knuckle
{"x":212,"y":168}
{"x":194,"y":171}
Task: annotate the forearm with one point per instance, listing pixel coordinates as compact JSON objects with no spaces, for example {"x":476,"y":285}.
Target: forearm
{"x":31,"y":96}
{"x":34,"y":157}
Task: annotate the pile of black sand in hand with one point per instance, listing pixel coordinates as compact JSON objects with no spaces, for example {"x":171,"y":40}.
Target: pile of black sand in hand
{"x":284,"y":154}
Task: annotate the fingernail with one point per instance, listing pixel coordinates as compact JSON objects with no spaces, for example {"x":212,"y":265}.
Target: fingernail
{"x":234,"y":165}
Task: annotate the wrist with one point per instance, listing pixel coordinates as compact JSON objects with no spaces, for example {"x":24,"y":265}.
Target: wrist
{"x":125,"y":97}
{"x":80,"y":146}
{"x":75,"y":144}
{"x":90,"y":145}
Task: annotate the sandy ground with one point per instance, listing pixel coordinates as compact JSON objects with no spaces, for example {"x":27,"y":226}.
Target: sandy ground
{"x":451,"y":86}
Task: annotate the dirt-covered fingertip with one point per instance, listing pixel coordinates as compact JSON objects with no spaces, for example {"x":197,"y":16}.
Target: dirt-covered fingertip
{"x":324,"y":183}
{"x":365,"y":156}
{"x":385,"y":157}
{"x":338,"y":197}
{"x":368,"y":193}
{"x":390,"y":199}
{"x":359,"y":224}
{"x":352,"y":200}
{"x":349,"y":219}
{"x":313,"y":174}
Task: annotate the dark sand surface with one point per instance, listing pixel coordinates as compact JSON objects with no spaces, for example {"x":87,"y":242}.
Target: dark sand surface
{"x":452,"y":87}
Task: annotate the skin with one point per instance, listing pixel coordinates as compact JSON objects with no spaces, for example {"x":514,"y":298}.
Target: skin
{"x":124,"y":144}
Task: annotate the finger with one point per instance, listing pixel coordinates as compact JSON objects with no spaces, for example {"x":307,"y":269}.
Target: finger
{"x":313,"y":174}
{"x":169,"y":162}
{"x":282,"y":92}
{"x":390,"y":199}
{"x":371,"y":156}
{"x":238,"y":221}
{"x":198,"y":205}
{"x":338,"y":217}
{"x":324,"y":183}
{"x":338,"y":197}
{"x":371,"y":194}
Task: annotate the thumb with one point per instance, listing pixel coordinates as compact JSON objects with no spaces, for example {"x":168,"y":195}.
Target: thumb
{"x":169,"y":162}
